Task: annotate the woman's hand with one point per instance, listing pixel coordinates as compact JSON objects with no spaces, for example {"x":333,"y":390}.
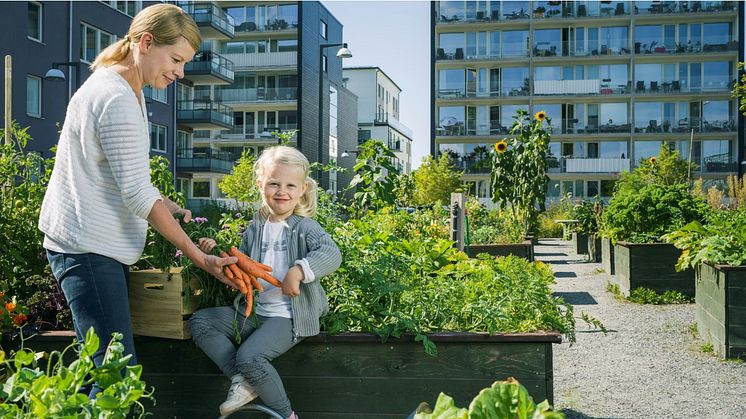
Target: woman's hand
{"x":187,"y":214}
{"x":214,"y":266}
{"x":206,"y":244}
{"x":291,"y":283}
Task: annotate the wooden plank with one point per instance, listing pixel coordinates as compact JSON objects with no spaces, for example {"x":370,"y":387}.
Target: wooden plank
{"x":522,"y":250}
{"x":607,"y":256}
{"x":199,"y":393}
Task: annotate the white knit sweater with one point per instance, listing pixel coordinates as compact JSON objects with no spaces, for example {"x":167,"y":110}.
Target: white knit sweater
{"x":100,"y":193}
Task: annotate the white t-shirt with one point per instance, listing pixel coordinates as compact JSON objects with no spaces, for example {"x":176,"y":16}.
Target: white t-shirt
{"x":274,"y":252}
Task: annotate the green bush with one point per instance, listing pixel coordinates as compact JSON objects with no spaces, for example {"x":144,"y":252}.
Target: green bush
{"x":495,"y":226}
{"x":644,"y":215}
{"x":559,"y":210}
{"x":587,"y":212}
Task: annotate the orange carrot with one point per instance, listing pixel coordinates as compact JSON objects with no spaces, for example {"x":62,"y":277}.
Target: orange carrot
{"x":250,"y":266}
{"x":249,"y":301}
{"x":255,"y":283}
{"x":233,"y":273}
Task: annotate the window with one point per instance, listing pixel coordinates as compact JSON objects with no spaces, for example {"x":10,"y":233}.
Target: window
{"x":128,"y":7}
{"x":157,"y":137}
{"x":92,"y":41}
{"x":363,"y":135}
{"x":323,"y":63}
{"x":324,"y":30}
{"x":33,"y":96}
{"x":159,"y":95}
{"x":33,"y":30}
{"x":201,"y":189}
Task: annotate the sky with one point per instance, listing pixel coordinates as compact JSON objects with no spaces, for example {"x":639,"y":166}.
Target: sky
{"x":395,"y":36}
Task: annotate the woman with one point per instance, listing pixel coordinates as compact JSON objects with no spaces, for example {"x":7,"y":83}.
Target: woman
{"x":100,"y":198}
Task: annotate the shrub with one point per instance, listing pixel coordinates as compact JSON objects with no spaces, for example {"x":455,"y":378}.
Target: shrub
{"x":644,"y":215}
{"x":721,"y":240}
{"x":492,"y":226}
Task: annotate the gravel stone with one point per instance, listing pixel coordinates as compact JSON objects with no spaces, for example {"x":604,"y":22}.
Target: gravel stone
{"x":648,"y":365}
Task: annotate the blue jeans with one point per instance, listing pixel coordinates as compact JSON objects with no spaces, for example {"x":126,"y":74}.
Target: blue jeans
{"x":95,"y":287}
{"x":212,"y":330}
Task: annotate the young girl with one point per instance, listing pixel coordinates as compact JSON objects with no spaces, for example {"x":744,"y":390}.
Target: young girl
{"x":300,"y":252}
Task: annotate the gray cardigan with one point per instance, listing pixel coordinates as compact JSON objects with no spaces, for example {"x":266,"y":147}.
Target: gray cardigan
{"x":306,"y":239}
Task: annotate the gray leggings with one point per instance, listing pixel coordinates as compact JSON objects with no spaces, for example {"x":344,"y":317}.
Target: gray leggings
{"x":212,"y":330}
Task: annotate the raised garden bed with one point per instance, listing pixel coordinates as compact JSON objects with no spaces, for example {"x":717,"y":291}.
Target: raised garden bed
{"x":524,"y":249}
{"x":607,"y":255}
{"x":580,"y":243}
{"x":350,"y":375}
{"x":721,"y":308}
{"x":650,"y":265}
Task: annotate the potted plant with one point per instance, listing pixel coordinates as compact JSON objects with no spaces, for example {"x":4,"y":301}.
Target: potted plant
{"x":539,"y":11}
{"x":716,"y":250}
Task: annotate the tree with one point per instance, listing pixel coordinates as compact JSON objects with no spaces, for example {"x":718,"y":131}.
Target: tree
{"x":241,"y":184}
{"x":435,"y":180}
{"x":664,"y":169}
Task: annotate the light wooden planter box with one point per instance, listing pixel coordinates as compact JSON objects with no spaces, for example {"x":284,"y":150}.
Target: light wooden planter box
{"x":650,"y":265}
{"x":158,"y":304}
{"x":580,"y":243}
{"x":607,"y":255}
{"x":524,"y":249}
{"x":593,"y":244}
{"x":721,"y":308}
{"x":351,"y":375}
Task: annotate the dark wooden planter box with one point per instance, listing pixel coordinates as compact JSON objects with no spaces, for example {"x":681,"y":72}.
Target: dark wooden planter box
{"x":650,"y":265}
{"x":721,"y":308}
{"x":580,"y":243}
{"x":524,"y":249}
{"x":352,"y":375}
{"x":607,"y":255}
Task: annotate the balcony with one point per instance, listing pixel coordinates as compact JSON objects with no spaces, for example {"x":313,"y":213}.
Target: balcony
{"x":212,"y":21}
{"x":264,"y":60}
{"x":685,"y":125}
{"x":587,"y":165}
{"x":209,"y":67}
{"x":719,"y":45}
{"x":711,"y":85}
{"x":678,"y":7}
{"x":276,"y":25}
{"x":259,"y":95}
{"x":204,"y":159}
{"x":242,"y":133}
{"x":382,"y":118}
{"x":204,"y":114}
{"x":567,"y":87}
{"x":719,"y":163}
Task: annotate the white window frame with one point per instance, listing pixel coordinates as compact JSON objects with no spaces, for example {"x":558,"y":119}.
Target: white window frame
{"x":114,"y":5}
{"x":84,"y":40}
{"x":29,"y":78}
{"x":323,"y":29}
{"x":161,"y":139}
{"x":40,"y":23}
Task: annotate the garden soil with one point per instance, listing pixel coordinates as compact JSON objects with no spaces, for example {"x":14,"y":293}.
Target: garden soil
{"x":649,"y":364}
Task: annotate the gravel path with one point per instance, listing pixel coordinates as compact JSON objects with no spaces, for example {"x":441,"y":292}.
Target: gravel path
{"x":648,"y":365}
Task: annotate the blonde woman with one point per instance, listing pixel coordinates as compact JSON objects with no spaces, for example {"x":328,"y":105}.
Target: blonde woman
{"x":100,"y":199}
{"x":300,"y":252}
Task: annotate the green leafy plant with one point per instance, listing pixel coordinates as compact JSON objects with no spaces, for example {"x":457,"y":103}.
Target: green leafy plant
{"x":503,"y":399}
{"x":644,"y":215}
{"x":642,"y":295}
{"x":492,"y":226}
{"x":588,"y":213}
{"x":519,"y":168}
{"x":667,"y":168}
{"x":400,"y":274}
{"x":435,"y":180}
{"x":241,"y":184}
{"x":34,"y":392}
{"x":375,"y":176}
{"x":558,"y":210}
{"x":721,"y":240}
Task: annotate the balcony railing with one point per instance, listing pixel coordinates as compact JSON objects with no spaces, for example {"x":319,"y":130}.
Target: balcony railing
{"x":206,"y":62}
{"x":663,"y":46}
{"x":204,"y":111}
{"x":568,"y":164}
{"x":652,"y":8}
{"x":265,"y":59}
{"x":385,"y":118}
{"x":685,"y":125}
{"x":242,"y":132}
{"x":259,"y":95}
{"x":209,"y":14}
{"x":274,"y":25}
{"x":204,"y":159}
{"x":711,"y":84}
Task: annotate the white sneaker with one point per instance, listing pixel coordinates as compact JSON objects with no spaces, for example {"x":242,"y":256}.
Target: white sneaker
{"x":239,"y":394}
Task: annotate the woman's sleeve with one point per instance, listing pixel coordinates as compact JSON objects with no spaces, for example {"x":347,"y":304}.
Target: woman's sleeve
{"x":126,"y":147}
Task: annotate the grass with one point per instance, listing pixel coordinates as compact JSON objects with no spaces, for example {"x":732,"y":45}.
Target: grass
{"x":706,"y":348}
{"x":644,"y":295}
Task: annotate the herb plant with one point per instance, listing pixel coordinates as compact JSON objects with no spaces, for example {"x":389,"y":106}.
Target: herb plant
{"x":721,"y":240}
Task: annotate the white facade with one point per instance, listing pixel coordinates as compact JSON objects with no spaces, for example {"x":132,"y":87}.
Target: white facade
{"x":378,"y":112}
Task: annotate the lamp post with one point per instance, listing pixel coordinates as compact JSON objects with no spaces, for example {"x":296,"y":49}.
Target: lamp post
{"x":55,"y":74}
{"x":341,"y":53}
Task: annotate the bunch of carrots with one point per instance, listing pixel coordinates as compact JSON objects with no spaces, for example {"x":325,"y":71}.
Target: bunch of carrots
{"x":244,"y":275}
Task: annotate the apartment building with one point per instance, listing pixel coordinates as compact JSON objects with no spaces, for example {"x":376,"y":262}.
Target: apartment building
{"x":378,"y":114}
{"x":618,"y":78}
{"x":264,"y":59}
{"x":67,"y":36}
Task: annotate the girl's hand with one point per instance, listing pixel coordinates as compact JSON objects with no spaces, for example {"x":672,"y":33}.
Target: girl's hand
{"x":206,"y":244}
{"x":291,"y":283}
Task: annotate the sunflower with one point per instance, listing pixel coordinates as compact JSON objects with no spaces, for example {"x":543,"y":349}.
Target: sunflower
{"x":501,"y":146}
{"x":653,"y":160}
{"x":541,"y":115}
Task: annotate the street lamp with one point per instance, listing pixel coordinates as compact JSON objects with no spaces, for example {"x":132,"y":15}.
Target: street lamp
{"x":341,"y":53}
{"x":54,"y":74}
{"x":347,"y":153}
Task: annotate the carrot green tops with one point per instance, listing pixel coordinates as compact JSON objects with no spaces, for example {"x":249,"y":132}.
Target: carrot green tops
{"x":100,"y":193}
